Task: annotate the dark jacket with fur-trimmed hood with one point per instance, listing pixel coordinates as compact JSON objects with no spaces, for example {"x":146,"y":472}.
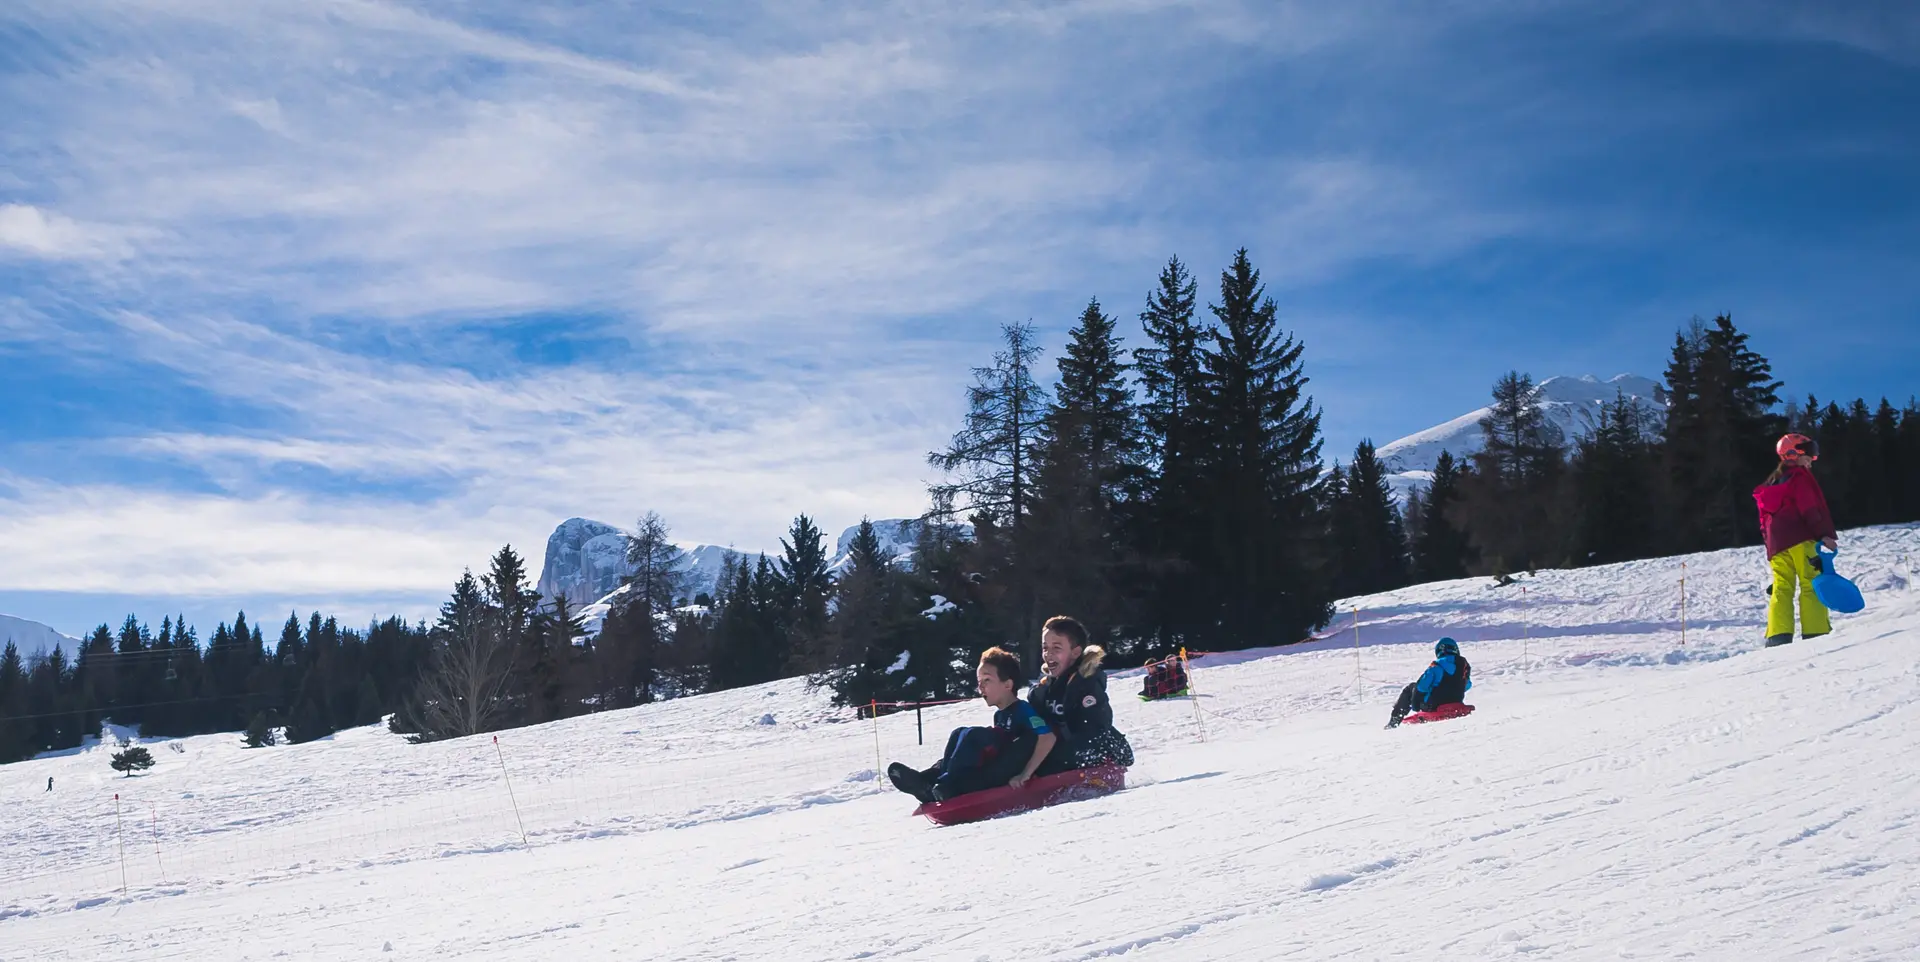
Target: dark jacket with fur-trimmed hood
{"x":1075,"y":705}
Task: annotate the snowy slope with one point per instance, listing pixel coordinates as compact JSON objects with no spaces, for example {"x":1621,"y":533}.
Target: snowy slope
{"x":34,"y":638}
{"x":1619,"y":795}
{"x":1571,"y":406}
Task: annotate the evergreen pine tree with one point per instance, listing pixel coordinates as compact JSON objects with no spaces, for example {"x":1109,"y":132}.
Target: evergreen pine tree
{"x":992,"y":461}
{"x":515,"y":606}
{"x":564,"y":632}
{"x":1442,"y":551}
{"x":188,"y":686}
{"x":509,"y":595}
{"x":1615,"y":474}
{"x":1089,"y":476}
{"x":1413,"y":520}
{"x":466,"y":686}
{"x":1369,"y":540}
{"x":259,"y":731}
{"x":287,"y":650}
{"x":16,"y":730}
{"x":632,"y":650}
{"x":133,"y":759}
{"x":96,"y":678}
{"x":1167,"y":526}
{"x":805,"y":585}
{"x":134,"y":673}
{"x":1511,"y":502}
{"x":1909,"y":464}
{"x":1891,"y":465}
{"x":62,"y":722}
{"x":367,"y":707}
{"x":1841,"y":454}
{"x":862,"y":641}
{"x":750,"y":633}
{"x":1869,"y":496}
{"x":1261,"y":470}
{"x":1719,"y":434}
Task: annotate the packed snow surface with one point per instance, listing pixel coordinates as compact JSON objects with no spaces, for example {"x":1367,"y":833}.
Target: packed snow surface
{"x":1619,"y":794}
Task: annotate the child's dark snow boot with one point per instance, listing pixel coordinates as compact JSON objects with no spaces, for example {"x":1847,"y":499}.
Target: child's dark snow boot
{"x":911,"y":782}
{"x":1775,"y":641}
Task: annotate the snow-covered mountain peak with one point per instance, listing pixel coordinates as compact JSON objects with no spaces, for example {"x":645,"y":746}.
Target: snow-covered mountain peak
{"x":1572,"y":407}
{"x":33,"y":638}
{"x":586,"y":561}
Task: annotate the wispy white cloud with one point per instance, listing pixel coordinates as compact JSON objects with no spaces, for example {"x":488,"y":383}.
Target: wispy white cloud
{"x":120,"y":539}
{"x":26,"y":230}
{"x":498,"y":460}
{"x":876,"y":163}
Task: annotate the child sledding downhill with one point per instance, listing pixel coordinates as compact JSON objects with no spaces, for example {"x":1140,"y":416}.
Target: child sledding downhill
{"x":1793,"y":518}
{"x":1018,"y":746}
{"x":1072,"y":696}
{"x":1445,"y":682}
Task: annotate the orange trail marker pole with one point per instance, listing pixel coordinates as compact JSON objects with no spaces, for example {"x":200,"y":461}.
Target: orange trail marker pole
{"x":1193,"y":695}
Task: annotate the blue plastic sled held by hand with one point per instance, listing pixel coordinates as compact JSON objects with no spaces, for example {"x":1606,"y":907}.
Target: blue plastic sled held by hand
{"x":1837,"y":593}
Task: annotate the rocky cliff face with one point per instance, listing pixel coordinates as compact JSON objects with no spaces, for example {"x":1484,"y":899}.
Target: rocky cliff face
{"x":585,"y":560}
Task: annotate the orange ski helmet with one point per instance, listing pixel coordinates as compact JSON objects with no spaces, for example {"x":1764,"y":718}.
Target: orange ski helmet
{"x":1796,"y":445}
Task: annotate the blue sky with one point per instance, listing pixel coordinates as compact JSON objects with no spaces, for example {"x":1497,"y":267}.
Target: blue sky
{"x":315,"y":303}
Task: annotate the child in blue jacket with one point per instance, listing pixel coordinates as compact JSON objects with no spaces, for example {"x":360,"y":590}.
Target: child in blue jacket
{"x":1445,"y":682}
{"x":1018,"y":745}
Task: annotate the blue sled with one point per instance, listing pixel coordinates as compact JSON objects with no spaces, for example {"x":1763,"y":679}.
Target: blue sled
{"x":1837,"y":593}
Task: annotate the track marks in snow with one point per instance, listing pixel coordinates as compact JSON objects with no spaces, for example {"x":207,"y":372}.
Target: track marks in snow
{"x":1185,"y":778}
{"x":1811,"y":831}
{"x":1853,"y":868}
{"x":1333,"y":880}
{"x":1173,"y":934}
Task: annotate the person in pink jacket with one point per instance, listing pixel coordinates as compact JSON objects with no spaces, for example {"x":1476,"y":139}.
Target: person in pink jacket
{"x":1793,"y":518}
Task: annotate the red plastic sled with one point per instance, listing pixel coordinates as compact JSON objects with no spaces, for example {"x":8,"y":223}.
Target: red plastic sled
{"x":1439,"y":713}
{"x":1043,"y":791}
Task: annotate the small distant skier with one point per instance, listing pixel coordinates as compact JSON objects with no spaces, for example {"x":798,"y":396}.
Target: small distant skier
{"x":1793,"y":518}
{"x":1445,"y":682}
{"x":49,"y":783}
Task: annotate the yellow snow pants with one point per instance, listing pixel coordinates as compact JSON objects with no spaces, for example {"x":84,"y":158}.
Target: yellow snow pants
{"x":1793,"y":573}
